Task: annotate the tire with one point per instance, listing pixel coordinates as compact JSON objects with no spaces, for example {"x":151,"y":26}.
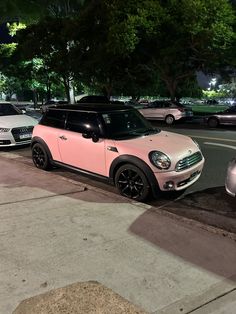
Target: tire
{"x":40,"y":157}
{"x":213,"y":122}
{"x":131,"y":182}
{"x":169,"y":119}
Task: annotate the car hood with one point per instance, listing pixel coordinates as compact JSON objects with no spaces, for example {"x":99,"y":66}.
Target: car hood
{"x":17,"y":121}
{"x":175,"y":146}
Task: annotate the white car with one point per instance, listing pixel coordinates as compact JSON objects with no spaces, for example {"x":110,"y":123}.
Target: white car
{"x":230,"y":182}
{"x":167,"y":111}
{"x":15,"y":127}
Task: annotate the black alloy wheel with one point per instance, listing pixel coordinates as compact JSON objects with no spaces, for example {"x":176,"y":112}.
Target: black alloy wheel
{"x":132,"y":182}
{"x":213,"y":122}
{"x":40,"y":157}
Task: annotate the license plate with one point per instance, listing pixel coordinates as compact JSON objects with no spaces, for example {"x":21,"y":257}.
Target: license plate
{"x":23,"y":136}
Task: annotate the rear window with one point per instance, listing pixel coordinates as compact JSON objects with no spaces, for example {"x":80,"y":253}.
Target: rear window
{"x":82,"y":122}
{"x":54,"y":118}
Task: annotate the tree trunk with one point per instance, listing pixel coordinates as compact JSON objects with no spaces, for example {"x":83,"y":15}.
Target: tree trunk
{"x":35,"y":98}
{"x":67,"y":88}
{"x":171,"y":86}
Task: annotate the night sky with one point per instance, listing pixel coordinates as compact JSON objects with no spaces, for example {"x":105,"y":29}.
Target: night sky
{"x":5,"y":38}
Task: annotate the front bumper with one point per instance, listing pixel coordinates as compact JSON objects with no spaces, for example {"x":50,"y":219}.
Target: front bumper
{"x":13,"y":138}
{"x":177,"y":181}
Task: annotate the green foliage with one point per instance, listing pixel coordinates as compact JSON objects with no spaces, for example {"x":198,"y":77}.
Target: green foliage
{"x":182,"y":37}
{"x":127,"y":47}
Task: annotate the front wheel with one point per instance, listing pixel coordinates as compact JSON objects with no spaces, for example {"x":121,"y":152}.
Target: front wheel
{"x":169,"y":119}
{"x":132,"y":182}
{"x":40,"y":157}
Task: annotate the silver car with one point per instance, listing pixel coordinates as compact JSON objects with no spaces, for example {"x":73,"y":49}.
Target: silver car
{"x":230,"y":182}
{"x":226,"y":117}
{"x":168,"y":111}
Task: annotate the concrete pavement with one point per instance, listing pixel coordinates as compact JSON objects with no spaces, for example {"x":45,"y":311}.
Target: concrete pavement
{"x":55,"y":232}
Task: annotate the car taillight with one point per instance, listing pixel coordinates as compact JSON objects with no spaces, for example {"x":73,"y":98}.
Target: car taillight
{"x":181,"y":109}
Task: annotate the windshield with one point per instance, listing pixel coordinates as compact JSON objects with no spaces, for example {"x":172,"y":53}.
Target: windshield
{"x":127,"y":124}
{"x":9,"y":110}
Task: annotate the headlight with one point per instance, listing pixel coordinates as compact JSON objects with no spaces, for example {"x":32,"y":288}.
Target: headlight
{"x":3,"y":130}
{"x":160,"y":160}
{"x":195,"y":142}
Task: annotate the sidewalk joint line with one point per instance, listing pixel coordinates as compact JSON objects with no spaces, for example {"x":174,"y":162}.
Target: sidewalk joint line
{"x":210,"y":301}
{"x":42,"y":197}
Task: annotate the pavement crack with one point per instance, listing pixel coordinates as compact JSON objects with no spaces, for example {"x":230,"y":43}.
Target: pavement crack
{"x":44,"y":197}
{"x":210,"y":301}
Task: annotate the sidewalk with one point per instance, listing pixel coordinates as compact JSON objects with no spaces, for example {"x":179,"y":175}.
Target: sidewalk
{"x":56,"y":232}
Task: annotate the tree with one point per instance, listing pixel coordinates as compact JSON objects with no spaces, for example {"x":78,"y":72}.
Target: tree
{"x":177,"y":37}
{"x":33,"y":10}
{"x":51,"y":41}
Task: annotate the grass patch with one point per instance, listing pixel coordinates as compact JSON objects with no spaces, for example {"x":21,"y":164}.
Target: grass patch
{"x":206,"y":109}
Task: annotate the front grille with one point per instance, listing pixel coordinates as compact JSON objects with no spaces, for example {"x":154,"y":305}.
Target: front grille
{"x":22,"y":134}
{"x":188,"y":162}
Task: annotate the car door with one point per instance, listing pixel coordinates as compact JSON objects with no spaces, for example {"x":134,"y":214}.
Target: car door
{"x":154,"y":111}
{"x":53,"y":123}
{"x":229,"y":116}
{"x":76,"y":146}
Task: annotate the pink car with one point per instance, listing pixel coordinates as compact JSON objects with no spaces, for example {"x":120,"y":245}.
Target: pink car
{"x":117,"y":143}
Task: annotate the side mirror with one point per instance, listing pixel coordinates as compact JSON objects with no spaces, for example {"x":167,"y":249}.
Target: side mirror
{"x":93,"y":136}
{"x":87,"y":135}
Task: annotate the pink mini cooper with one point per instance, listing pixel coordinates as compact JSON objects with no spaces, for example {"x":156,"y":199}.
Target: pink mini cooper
{"x":117,"y":143}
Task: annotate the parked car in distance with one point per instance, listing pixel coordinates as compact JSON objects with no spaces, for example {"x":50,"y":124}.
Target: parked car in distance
{"x":15,"y":127}
{"x":167,"y":111}
{"x":226,"y":117}
{"x":94,"y":99}
{"x":230,"y":182}
{"x":52,"y":102}
{"x":98,"y":99}
{"x":118,"y":144}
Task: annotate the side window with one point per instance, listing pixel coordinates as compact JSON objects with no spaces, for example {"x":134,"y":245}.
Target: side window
{"x":82,"y":122}
{"x":156,"y":104}
{"x":54,"y":118}
{"x":167,"y":105}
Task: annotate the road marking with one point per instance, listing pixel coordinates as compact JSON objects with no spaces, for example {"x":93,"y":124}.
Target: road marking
{"x":222,"y":145}
{"x":214,"y":138}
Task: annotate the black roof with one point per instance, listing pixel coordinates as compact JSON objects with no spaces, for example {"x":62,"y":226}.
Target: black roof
{"x":93,"y":107}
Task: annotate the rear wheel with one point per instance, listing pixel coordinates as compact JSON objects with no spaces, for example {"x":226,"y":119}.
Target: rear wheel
{"x":40,"y":157}
{"x":213,"y":122}
{"x":132,"y":182}
{"x":169,"y":119}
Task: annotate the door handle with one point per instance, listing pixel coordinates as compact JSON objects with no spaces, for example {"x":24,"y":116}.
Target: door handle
{"x":62,"y":137}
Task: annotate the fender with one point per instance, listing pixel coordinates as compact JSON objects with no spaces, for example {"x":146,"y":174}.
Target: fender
{"x":39,"y":140}
{"x":129,"y":159}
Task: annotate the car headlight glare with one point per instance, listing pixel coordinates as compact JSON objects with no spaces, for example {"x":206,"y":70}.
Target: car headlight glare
{"x":160,"y":160}
{"x":4,"y":130}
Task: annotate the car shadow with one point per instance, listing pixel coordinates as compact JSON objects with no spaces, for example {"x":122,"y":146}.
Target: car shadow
{"x":212,"y":206}
{"x":187,"y":239}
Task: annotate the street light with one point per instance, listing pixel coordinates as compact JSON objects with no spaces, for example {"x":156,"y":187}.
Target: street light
{"x":213,"y":83}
